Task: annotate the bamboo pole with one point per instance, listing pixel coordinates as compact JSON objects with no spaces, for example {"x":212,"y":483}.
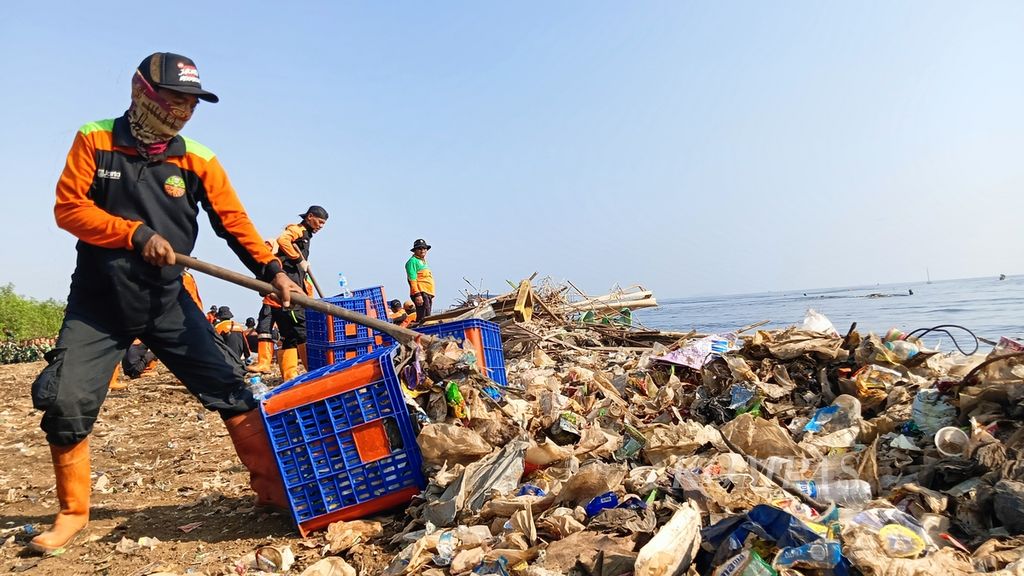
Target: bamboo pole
{"x":403,"y":335}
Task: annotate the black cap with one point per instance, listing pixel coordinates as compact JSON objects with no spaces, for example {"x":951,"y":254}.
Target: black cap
{"x":395,"y":304}
{"x":419,"y":243}
{"x":250,"y":322}
{"x":213,"y":308}
{"x":315,"y":210}
{"x":174,"y":72}
{"x":224,"y":313}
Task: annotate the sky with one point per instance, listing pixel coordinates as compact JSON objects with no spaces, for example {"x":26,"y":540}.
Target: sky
{"x":695,"y":148}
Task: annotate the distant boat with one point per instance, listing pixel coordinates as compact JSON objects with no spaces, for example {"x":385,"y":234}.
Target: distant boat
{"x":928,"y":275}
{"x":1002,"y":276}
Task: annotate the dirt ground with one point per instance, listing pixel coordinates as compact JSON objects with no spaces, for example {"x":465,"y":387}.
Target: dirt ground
{"x":162,"y":467}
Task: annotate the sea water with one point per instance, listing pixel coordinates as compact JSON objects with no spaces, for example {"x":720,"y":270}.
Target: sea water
{"x":989,"y":307}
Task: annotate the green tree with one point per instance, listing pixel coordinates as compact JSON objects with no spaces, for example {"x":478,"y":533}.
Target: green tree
{"x":22,"y":318}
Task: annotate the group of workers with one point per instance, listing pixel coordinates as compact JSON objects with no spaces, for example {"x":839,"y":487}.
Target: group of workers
{"x":131,"y":191}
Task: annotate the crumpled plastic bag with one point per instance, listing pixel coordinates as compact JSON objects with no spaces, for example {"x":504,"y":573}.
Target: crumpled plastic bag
{"x":666,"y":441}
{"x":795,"y":342}
{"x":442,"y":442}
{"x":760,"y":438}
{"x":863,"y":548}
{"x":500,"y":470}
{"x":724,"y":539}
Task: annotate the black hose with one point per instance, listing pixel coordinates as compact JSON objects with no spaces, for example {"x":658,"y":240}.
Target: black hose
{"x":942,"y":328}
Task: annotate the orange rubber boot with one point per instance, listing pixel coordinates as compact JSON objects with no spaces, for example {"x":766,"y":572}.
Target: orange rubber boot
{"x":264,"y":357}
{"x":115,"y":380}
{"x":253,"y":448}
{"x":289,"y":363}
{"x":71,"y":467}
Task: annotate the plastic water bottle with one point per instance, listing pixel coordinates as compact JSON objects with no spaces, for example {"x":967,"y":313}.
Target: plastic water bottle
{"x":343,"y":282}
{"x":841,"y":492}
{"x":257,"y":387}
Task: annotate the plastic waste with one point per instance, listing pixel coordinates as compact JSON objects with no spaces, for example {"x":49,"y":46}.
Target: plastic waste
{"x":453,"y":396}
{"x":746,"y":563}
{"x":875,"y":376}
{"x":446,"y":545}
{"x":531,"y":490}
{"x":566,"y":429}
{"x":343,"y":283}
{"x":602,"y":502}
{"x":815,"y":321}
{"x":900,"y":541}
{"x":841,"y":492}
{"x":951,"y":441}
{"x":932,"y":411}
{"x":255,"y":385}
{"x":674,"y":547}
{"x":902,"y":349}
{"x":821,"y":554}
{"x":842,"y":413}
{"x":632,"y":442}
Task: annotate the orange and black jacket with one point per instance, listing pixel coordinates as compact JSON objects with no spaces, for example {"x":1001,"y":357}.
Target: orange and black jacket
{"x":114,"y":200}
{"x":292,"y":248}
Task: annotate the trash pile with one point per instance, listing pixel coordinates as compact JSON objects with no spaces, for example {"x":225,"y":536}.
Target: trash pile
{"x":621,"y":450}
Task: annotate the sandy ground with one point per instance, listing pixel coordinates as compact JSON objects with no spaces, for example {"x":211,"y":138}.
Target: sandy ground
{"x":162,"y":467}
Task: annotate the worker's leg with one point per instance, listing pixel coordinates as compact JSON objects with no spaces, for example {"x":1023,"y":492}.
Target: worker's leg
{"x":428,"y":302}
{"x":265,"y":346}
{"x":292,"y":324}
{"x":70,"y":391}
{"x":186,"y":343}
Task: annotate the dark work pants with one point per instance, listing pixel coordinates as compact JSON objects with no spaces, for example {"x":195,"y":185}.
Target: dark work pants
{"x":292,"y":325}
{"x":72,"y":387}
{"x":265,"y":322}
{"x":423,"y":310}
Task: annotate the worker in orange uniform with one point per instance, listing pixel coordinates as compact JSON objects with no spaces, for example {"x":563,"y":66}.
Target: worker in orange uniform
{"x":232,"y":333}
{"x":211,"y":316}
{"x":293,"y":251}
{"x":410,"y":314}
{"x":421,"y":279}
{"x":131,"y":192}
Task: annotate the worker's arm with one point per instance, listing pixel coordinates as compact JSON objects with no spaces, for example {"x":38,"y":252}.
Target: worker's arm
{"x":76,"y":212}
{"x":412,"y":273}
{"x":285,"y":242}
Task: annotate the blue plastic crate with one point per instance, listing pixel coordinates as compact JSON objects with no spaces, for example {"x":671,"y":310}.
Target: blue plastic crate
{"x":320,"y":355}
{"x":494,"y":354}
{"x":351,"y":450}
{"x":322,"y":331}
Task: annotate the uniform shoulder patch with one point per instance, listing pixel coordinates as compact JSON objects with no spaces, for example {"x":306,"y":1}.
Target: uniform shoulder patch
{"x":193,"y":147}
{"x":99,"y":125}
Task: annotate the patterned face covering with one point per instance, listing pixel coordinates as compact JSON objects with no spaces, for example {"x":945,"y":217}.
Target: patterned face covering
{"x":153,"y":119}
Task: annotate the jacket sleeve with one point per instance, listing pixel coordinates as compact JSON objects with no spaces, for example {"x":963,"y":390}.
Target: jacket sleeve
{"x":411,"y":274}
{"x":285,"y":242}
{"x":230,"y":221}
{"x":76,"y":212}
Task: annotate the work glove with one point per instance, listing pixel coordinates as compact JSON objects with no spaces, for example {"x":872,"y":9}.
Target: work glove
{"x":304,"y":266}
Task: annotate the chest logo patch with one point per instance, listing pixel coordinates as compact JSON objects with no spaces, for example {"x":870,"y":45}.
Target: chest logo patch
{"x":174,"y":186}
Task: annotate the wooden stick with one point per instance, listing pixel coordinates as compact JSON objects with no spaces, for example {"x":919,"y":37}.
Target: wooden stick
{"x":309,"y":272}
{"x":403,"y":335}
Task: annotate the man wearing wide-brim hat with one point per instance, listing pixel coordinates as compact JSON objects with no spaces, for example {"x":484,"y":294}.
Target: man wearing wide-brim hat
{"x":421,"y":279}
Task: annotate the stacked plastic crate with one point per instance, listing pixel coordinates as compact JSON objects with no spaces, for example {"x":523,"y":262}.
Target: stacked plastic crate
{"x":485,"y":338}
{"x":330,"y":339}
{"x":343,"y":441}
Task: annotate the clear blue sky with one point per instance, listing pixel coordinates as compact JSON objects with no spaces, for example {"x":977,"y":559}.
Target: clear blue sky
{"x":693,"y":147}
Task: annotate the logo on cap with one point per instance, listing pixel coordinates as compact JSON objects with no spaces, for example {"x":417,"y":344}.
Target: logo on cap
{"x":174,"y":186}
{"x":187,"y":73}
